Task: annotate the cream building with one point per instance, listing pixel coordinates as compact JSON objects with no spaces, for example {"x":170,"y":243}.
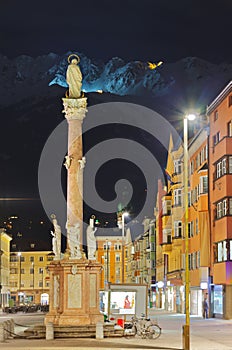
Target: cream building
{"x":29,"y":277}
{"x":4,"y":268}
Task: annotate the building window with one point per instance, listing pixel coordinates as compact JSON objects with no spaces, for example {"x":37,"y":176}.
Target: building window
{"x":177,"y":229}
{"x":117,"y":257}
{"x":41,"y":258}
{"x":203,"y":184}
{"x":40,"y":270}
{"x":22,"y":271}
{"x":167,"y":236}
{"x":229,"y":128}
{"x":190,"y":228}
{"x":167,"y":207}
{"x":219,"y":210}
{"x":199,"y":258}
{"x":224,"y":166}
{"x":40,"y":283}
{"x":197,"y":227}
{"x":221,"y":251}
{"x":31,"y":258}
{"x":31,"y":270}
{"x":13,"y":270}
{"x":13,"y":258}
{"x":219,"y":169}
{"x":177,"y":166}
{"x":224,"y":207}
{"x":191,"y":170}
{"x":230,"y":100}
{"x":216,"y":138}
{"x":215,"y":115}
{"x":177,"y":197}
{"x":230,"y":165}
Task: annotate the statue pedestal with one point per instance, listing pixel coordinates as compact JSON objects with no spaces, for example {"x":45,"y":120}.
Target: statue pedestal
{"x":74,"y":292}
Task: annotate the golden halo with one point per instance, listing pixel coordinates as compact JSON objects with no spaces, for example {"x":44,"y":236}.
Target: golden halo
{"x":76,"y":56}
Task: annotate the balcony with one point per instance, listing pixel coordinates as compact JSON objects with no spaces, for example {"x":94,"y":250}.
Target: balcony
{"x":203,"y":202}
{"x":224,"y":146}
{"x":166,"y":247}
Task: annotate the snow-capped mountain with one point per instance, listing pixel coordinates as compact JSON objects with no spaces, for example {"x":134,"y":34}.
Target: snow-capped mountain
{"x":25,"y":77}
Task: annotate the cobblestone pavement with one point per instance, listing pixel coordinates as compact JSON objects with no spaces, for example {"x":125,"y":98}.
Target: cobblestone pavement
{"x":209,"y":334}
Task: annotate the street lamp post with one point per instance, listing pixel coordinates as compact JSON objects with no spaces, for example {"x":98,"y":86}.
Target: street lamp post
{"x":186,"y":328}
{"x":33,"y":280}
{"x":123,"y":244}
{"x":19,"y":255}
{"x":1,"y":296}
{"x":108,"y":245}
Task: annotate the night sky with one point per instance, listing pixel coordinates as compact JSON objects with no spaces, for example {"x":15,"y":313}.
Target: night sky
{"x":134,"y":30}
{"x":148,"y":30}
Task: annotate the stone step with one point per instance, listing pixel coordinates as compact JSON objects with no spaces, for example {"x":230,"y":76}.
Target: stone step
{"x":63,"y":331}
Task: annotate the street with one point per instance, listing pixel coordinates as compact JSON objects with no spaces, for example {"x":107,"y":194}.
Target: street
{"x":206,"y":334}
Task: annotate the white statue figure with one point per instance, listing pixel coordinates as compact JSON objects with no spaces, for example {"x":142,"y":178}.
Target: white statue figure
{"x":73,"y":234}
{"x":91,"y":240}
{"x":74,"y":77}
{"x":56,"y":239}
{"x":68,"y":161}
{"x":82,"y":162}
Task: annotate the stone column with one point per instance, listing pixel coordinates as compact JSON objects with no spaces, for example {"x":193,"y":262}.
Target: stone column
{"x":75,"y":111}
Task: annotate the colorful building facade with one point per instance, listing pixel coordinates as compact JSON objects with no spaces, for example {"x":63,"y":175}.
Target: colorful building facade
{"x":220,"y":192}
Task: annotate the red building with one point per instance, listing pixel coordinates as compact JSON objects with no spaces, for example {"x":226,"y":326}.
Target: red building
{"x":220,"y":200}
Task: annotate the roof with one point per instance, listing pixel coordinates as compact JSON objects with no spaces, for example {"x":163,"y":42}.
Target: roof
{"x":220,"y":97}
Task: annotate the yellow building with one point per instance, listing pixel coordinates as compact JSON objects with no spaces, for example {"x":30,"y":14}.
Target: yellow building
{"x":170,"y":263}
{"x":29,"y":278}
{"x":4,"y":268}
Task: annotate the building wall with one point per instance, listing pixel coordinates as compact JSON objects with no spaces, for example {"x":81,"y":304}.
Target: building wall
{"x":33,"y":276}
{"x":4,"y":267}
{"x":112,"y":269}
{"x":220,"y":143}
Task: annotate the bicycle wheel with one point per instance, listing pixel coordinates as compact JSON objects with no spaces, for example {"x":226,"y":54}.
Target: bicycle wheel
{"x":129,"y":331}
{"x":154,"y":331}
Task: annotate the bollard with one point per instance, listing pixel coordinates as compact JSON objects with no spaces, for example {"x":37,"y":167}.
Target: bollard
{"x":2,"y":335}
{"x":9,"y":335}
{"x":49,"y":331}
{"x":185,"y":338}
{"x":12,"y":326}
{"x":99,"y":330}
{"x":5,"y":329}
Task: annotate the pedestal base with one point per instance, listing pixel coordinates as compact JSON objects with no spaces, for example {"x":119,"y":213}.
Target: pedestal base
{"x":74,"y":292}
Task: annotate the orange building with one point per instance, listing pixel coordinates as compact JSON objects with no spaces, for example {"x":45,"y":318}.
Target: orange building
{"x":170,"y":264}
{"x":109,"y":254}
{"x":220,"y":182}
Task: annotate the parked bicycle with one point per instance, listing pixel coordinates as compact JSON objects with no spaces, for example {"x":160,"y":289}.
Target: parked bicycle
{"x":142,"y":327}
